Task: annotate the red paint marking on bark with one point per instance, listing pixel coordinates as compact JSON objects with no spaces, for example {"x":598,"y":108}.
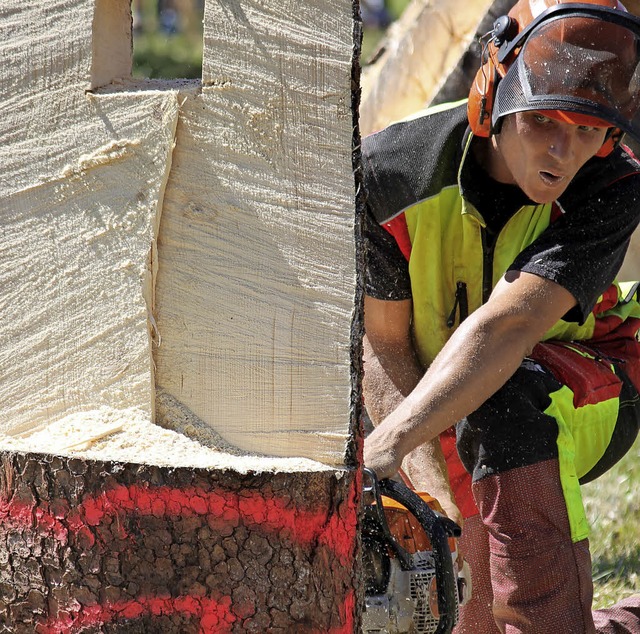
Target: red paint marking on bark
{"x":347,"y":617}
{"x":304,"y":527}
{"x":26,"y":516}
{"x":336,"y":531}
{"x":216,"y":617}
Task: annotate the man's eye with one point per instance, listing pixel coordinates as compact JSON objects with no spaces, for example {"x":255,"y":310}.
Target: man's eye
{"x":540,"y":118}
{"x":587,"y":128}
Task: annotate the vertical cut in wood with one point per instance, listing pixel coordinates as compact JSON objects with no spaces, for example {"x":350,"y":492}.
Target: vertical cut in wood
{"x":112,"y":42}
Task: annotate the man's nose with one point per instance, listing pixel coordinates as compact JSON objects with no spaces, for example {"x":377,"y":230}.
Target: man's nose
{"x":560,"y":144}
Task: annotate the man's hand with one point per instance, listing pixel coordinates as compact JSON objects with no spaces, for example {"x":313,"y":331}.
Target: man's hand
{"x":426,"y":469}
{"x":450,"y":509}
{"x":381,"y":454}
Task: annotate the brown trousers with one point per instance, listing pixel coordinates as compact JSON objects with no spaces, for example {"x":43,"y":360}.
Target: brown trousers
{"x":528,"y":577}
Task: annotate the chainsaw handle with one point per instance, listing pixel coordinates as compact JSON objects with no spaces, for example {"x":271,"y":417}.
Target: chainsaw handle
{"x":438,"y":529}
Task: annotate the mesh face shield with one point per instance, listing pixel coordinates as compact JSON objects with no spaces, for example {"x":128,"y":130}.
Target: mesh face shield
{"x":579,"y":61}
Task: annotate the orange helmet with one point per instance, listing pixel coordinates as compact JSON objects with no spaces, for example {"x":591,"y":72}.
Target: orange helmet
{"x":576,"y":61}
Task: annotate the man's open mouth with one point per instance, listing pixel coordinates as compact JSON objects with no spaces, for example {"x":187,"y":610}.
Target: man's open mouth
{"x":549,"y":178}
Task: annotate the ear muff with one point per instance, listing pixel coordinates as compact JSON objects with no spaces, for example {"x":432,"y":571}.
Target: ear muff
{"x":614,"y":136}
{"x":480,"y":101}
{"x":483,"y":89}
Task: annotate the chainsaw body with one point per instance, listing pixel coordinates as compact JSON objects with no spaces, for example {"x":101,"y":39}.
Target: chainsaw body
{"x":411,"y":585}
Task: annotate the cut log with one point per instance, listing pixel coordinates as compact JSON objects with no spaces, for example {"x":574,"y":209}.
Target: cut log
{"x":418,"y":54}
{"x":456,"y":84}
{"x":183,"y":253}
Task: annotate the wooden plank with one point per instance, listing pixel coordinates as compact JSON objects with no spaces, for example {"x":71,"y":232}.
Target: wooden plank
{"x":256,"y":280}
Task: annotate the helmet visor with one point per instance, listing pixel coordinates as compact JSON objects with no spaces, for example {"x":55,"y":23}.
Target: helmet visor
{"x":578,"y":64}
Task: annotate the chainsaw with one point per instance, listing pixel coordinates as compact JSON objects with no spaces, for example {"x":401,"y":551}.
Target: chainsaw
{"x":411,"y":581}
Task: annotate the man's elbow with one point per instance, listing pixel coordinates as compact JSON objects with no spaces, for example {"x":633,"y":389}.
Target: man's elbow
{"x":518,"y":331}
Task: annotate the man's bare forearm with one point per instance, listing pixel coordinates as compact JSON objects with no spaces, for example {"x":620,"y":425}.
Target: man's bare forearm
{"x":478,"y":359}
{"x":388,"y":378}
{"x":390,"y":375}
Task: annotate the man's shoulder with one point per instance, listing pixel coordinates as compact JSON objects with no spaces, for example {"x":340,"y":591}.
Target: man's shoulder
{"x":621,"y":167}
{"x":440,"y":118}
{"x":414,"y":158}
{"x":426,"y":133}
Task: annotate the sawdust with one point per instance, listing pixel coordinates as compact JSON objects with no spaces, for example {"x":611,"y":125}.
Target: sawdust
{"x":128,"y":436}
{"x":111,"y":152}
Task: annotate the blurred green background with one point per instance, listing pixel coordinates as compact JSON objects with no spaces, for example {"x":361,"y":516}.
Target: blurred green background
{"x":167,"y":40}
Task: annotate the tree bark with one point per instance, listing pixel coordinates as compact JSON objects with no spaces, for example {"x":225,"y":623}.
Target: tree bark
{"x":91,"y":546}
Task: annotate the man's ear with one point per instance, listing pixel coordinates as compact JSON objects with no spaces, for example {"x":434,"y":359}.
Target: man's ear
{"x":611,"y":141}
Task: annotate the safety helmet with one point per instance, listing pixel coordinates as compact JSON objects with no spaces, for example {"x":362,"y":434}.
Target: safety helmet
{"x":574,"y":61}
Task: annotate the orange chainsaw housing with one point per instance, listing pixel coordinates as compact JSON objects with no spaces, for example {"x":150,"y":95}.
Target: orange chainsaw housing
{"x":406,"y":529}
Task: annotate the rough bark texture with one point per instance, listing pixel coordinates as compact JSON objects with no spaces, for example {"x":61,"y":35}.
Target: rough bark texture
{"x":107,"y":547}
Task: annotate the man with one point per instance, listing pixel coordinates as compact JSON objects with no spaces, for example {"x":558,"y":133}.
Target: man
{"x":495,"y":230}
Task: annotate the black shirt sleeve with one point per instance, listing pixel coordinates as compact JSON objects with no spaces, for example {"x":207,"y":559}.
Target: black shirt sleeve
{"x":387,"y":270}
{"x":584,"y":249}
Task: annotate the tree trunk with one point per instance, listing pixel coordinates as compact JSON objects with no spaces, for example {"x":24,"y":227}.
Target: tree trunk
{"x":183,"y":253}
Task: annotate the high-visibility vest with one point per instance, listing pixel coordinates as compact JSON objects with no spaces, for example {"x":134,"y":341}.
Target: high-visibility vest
{"x":453,"y":269}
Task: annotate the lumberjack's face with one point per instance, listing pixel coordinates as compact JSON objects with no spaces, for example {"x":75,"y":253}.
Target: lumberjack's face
{"x":541,"y":155}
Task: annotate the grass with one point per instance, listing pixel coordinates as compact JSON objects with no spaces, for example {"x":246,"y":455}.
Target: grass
{"x":612,"y":504}
{"x":167,"y":57}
